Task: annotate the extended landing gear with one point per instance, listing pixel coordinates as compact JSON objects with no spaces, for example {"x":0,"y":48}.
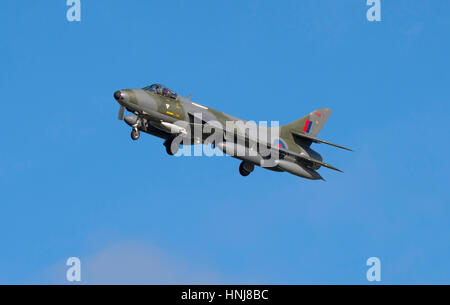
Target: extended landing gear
{"x":135,"y":134}
{"x":246,"y":168}
{"x":135,"y":122}
{"x":171,"y":148}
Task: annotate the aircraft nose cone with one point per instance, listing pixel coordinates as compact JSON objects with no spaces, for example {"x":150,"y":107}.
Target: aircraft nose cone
{"x":118,"y":95}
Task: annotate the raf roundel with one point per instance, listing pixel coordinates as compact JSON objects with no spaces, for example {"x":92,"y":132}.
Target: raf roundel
{"x":279,"y":143}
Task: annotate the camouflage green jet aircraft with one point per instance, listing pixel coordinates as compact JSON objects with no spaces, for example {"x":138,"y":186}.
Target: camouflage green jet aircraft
{"x":161,"y":112}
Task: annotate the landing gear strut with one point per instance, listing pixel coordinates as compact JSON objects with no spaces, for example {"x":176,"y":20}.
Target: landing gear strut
{"x":135,"y":134}
{"x":171,"y":149}
{"x":246,"y":168}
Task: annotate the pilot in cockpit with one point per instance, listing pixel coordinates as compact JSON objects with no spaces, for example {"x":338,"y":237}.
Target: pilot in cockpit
{"x":161,"y":90}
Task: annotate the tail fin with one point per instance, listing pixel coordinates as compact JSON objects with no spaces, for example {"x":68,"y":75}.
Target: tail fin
{"x":311,"y":124}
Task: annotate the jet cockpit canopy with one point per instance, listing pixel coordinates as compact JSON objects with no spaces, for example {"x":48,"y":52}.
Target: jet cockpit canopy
{"x":161,"y":90}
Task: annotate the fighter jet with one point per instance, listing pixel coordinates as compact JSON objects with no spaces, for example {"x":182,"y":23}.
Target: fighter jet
{"x":161,"y":112}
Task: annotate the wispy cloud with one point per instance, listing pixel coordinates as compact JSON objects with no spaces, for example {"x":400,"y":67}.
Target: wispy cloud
{"x":132,"y":262}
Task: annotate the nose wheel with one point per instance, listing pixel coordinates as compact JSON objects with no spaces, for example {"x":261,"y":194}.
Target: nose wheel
{"x":135,"y":134}
{"x":246,"y":168}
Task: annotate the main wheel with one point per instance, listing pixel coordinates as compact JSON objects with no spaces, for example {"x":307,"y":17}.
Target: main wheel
{"x":135,"y":134}
{"x":170,"y":149}
{"x":246,"y":169}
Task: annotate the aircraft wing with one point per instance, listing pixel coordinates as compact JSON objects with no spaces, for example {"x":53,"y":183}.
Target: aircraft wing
{"x":298,"y":156}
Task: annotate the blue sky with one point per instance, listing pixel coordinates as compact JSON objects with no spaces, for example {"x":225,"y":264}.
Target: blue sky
{"x":72,"y":182}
